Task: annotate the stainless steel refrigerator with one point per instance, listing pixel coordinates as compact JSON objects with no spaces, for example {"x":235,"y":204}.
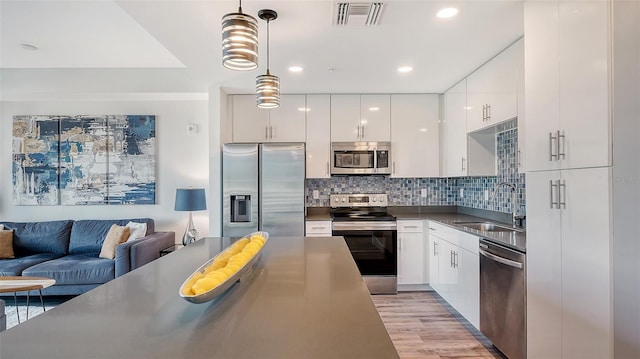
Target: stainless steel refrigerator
{"x":263,"y":189}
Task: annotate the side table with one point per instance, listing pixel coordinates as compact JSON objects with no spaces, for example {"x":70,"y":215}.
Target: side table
{"x":170,"y":249}
{"x":15,"y":284}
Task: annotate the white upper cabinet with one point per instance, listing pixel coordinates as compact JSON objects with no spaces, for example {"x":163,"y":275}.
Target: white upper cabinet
{"x":491,"y":90}
{"x":318,"y":136}
{"x":454,"y":159}
{"x":250,"y":123}
{"x":360,"y":118}
{"x":415,"y":135}
{"x":567,"y":61}
{"x":288,"y":121}
{"x":253,"y":124}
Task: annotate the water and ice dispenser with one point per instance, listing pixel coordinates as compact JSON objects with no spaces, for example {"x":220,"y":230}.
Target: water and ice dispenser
{"x":240,"y":208}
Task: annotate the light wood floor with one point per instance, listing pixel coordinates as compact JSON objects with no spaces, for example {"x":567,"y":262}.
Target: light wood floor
{"x":423,"y":325}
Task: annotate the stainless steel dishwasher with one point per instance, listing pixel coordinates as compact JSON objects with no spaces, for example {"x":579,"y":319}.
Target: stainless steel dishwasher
{"x":503,"y":298}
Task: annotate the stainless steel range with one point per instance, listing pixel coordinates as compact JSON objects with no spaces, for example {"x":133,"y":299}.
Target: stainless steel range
{"x":371,"y":235}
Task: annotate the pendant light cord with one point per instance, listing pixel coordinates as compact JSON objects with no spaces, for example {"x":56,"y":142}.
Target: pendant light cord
{"x":267,"y":47}
{"x":240,"y":6}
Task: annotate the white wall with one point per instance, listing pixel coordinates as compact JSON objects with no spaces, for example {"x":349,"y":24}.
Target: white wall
{"x":182,"y":160}
{"x":626,"y":178}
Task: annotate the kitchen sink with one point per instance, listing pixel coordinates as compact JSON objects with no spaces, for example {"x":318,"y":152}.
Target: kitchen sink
{"x":486,"y":227}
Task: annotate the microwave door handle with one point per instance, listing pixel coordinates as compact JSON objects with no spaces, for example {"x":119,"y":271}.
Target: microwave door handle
{"x":375,"y":158}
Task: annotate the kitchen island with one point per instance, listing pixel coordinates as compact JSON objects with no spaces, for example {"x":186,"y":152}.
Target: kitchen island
{"x":304,"y":299}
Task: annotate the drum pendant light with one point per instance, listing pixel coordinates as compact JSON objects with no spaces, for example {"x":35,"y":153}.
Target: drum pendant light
{"x":239,"y":41}
{"x":268,"y":86}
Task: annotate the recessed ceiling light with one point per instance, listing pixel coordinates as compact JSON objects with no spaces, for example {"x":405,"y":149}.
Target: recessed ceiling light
{"x":29,"y":47}
{"x":374,"y":108}
{"x":447,"y":13}
{"x":467,"y":108}
{"x":295,"y":69}
{"x":405,"y":69}
{"x":423,"y":130}
{"x":304,"y":109}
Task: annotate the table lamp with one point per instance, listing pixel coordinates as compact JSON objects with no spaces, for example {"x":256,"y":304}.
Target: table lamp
{"x":190,"y":199}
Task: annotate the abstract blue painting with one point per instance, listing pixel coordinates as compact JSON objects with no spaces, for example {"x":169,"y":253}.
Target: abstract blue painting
{"x":102,"y":159}
{"x":35,"y":148}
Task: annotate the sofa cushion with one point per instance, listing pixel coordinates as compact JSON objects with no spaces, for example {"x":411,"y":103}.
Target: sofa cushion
{"x":75,"y":269}
{"x":16,"y":266}
{"x":116,"y":235}
{"x":6,"y":244}
{"x":87,"y":235}
{"x":40,"y":237}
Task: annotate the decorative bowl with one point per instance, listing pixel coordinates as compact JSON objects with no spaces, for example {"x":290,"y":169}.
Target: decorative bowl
{"x":229,"y":282}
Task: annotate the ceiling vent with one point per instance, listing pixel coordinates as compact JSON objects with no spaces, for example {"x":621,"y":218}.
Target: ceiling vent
{"x":357,"y":13}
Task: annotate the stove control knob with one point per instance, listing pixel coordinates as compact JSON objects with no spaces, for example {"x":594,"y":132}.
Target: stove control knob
{"x":375,"y":199}
{"x":344,"y":200}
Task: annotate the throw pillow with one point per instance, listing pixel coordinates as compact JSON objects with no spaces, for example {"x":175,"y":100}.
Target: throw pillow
{"x":6,"y":244}
{"x":116,"y":235}
{"x":138,"y":230}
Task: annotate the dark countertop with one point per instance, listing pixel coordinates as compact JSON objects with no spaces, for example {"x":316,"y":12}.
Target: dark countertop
{"x":304,"y":299}
{"x":447,"y":215}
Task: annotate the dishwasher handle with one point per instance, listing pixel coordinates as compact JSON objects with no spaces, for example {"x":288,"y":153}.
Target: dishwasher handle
{"x":502,"y":260}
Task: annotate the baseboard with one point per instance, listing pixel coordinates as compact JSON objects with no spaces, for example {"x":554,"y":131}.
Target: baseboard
{"x":414,"y":288}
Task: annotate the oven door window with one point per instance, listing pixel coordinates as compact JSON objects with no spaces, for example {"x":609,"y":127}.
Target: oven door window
{"x":354,"y":159}
{"x":375,"y":252}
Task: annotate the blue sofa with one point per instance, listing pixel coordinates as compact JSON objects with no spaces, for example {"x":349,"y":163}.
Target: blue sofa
{"x":68,"y":250}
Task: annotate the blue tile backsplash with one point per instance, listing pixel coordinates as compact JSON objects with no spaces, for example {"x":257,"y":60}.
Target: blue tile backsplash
{"x":440,"y":191}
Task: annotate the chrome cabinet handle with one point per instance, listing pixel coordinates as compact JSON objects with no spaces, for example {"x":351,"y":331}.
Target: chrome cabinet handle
{"x":435,"y":249}
{"x":484,"y":113}
{"x":462,"y":163}
{"x":327,"y":167}
{"x":394,"y":167}
{"x":270,"y":132}
{"x":560,"y":136}
{"x":358,"y":135}
{"x":552,"y":202}
{"x":363,"y":132}
{"x":552,"y":156}
{"x":266,"y":132}
{"x":488,"y":112}
{"x":562,"y":189}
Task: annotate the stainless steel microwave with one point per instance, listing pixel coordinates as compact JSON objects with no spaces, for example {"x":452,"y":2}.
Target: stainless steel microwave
{"x":360,"y":158}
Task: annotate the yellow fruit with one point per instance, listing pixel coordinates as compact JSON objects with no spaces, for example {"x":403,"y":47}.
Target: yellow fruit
{"x":250,"y":251}
{"x":239,"y":244}
{"x":234,"y":267}
{"x":226,"y":271}
{"x":220,"y":277}
{"x":205,"y":284}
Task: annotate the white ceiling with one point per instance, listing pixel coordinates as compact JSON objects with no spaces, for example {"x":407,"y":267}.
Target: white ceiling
{"x":175,"y":45}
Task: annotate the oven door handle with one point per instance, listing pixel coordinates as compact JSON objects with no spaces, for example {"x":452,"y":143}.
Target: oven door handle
{"x":363,"y":226}
{"x":499,"y":259}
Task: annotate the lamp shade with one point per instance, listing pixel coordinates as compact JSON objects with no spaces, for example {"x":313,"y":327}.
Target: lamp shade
{"x":190,"y":199}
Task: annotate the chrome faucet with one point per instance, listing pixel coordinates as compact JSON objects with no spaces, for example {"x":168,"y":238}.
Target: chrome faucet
{"x":515,"y":218}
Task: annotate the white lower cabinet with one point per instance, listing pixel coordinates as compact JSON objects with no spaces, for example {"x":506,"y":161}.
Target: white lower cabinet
{"x":318,"y":228}
{"x":569,"y":304}
{"x":457,"y":273}
{"x":412,"y":268}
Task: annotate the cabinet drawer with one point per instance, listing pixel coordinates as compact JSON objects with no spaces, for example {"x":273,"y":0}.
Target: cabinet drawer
{"x":410,"y":226}
{"x":456,"y":237}
{"x":318,"y":228}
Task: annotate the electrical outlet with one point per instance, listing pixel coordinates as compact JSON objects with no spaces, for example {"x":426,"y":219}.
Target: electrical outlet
{"x":486,"y":194}
{"x":316,"y":195}
{"x":423,"y":193}
{"x":461,"y":192}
